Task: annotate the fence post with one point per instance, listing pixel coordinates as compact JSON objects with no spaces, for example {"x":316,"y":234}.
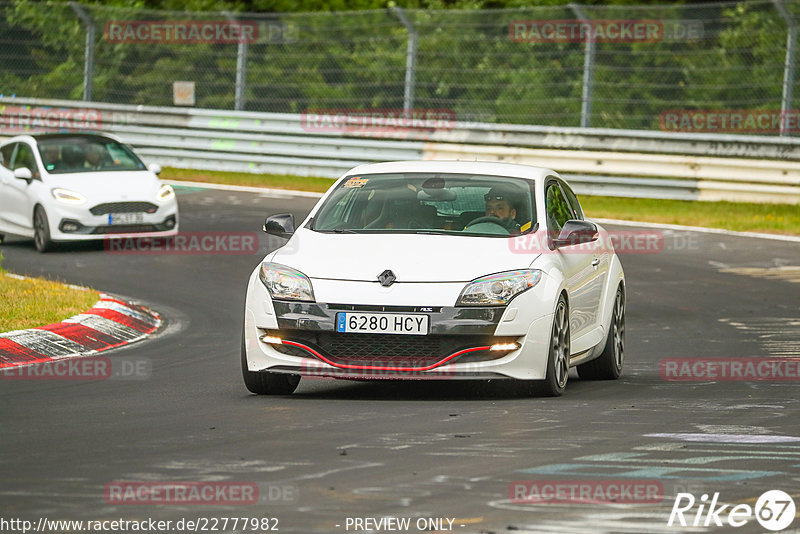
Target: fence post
{"x":88,"y":62}
{"x":788,"y":69}
{"x":411,"y":58}
{"x":241,"y":68}
{"x":588,"y":71}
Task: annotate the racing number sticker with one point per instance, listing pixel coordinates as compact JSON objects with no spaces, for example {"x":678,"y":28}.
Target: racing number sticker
{"x":356,"y":181}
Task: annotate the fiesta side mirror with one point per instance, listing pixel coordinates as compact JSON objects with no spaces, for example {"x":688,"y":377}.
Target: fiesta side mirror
{"x":23,"y":173}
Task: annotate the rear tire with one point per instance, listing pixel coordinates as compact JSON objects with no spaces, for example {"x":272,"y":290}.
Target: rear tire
{"x":264,"y":383}
{"x":608,"y":366}
{"x":41,"y":231}
{"x":555,"y":381}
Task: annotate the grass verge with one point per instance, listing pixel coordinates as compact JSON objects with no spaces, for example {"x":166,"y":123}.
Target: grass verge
{"x":740,"y":216}
{"x":276,"y":181}
{"x":37,"y":302}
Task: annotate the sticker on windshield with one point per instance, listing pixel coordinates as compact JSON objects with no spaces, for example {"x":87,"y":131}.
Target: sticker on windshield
{"x":356,"y":181}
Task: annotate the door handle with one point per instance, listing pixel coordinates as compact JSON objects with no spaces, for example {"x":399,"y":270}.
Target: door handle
{"x":596,"y":262}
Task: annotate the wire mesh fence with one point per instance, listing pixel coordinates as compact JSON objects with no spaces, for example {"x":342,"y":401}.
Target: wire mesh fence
{"x":674,"y":67}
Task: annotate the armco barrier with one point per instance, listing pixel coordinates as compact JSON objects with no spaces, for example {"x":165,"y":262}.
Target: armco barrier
{"x":629,"y":163}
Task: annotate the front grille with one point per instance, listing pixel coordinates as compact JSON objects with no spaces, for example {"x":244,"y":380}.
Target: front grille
{"x":124,"y":207}
{"x":386,"y":349}
{"x":382,"y":345}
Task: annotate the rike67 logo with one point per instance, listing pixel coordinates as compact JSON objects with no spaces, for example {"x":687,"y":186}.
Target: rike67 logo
{"x":774,"y":510}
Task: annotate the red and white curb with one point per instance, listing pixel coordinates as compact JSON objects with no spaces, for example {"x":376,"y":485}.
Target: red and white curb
{"x":109,"y":324}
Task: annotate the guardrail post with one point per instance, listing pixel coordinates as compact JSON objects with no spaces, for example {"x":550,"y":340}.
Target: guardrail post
{"x":411,"y":57}
{"x":241,"y":68}
{"x":788,"y":69}
{"x":588,"y":71}
{"x":88,"y":62}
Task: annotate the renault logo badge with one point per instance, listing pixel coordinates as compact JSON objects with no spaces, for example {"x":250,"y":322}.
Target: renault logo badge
{"x":387,"y":278}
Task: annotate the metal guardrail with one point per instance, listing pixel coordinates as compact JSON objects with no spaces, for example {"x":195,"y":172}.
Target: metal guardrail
{"x":596,"y":161}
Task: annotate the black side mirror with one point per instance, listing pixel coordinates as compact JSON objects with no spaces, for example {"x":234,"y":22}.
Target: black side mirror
{"x":576,"y":232}
{"x":281,"y":225}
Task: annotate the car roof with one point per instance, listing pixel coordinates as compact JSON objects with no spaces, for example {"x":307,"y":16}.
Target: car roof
{"x":489,"y":168}
{"x":46,"y":136}
{"x":36,"y":137}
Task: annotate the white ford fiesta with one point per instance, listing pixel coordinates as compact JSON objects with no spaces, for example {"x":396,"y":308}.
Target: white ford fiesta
{"x":74,"y":186}
{"x":437,"y":270}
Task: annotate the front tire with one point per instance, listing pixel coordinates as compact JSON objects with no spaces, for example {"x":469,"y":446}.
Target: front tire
{"x":608,"y":366}
{"x":41,"y":231}
{"x":555,"y":381}
{"x":264,"y":383}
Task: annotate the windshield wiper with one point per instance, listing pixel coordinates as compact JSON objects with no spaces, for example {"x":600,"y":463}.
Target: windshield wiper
{"x":434,"y":232}
{"x":336,"y":231}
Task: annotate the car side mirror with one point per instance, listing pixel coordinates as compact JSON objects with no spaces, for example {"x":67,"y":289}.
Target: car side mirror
{"x":155,"y":168}
{"x":576,"y":232}
{"x":281,"y":225}
{"x":23,"y":173}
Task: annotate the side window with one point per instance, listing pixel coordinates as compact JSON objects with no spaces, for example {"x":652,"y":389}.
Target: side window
{"x":5,"y":155}
{"x":573,"y":201}
{"x":556,"y":207}
{"x":24,"y":158}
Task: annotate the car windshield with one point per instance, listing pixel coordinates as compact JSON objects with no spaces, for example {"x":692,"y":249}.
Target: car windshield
{"x":459,"y":204}
{"x":62,"y":155}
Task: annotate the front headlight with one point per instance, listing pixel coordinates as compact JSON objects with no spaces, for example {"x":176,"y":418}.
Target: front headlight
{"x":165,"y":193}
{"x":67,"y":197}
{"x":498,"y":289}
{"x":283,"y":282}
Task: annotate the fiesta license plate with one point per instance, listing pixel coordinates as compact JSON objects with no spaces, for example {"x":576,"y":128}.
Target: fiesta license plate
{"x":125,"y":218}
{"x":382,"y":323}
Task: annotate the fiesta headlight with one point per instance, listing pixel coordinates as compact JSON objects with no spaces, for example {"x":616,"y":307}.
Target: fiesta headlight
{"x":283,"y":282}
{"x":165,"y":193}
{"x":498,"y":289}
{"x":66,"y":196}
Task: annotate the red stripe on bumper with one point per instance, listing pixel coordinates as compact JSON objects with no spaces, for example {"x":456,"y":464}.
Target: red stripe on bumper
{"x":13,"y":354}
{"x":381,"y":368}
{"x":83,"y":335}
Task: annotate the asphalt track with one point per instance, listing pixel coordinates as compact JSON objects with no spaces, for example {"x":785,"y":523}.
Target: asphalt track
{"x":336,"y":450}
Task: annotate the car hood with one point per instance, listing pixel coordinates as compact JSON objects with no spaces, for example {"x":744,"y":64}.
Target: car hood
{"x":102,"y":186}
{"x":412,"y":257}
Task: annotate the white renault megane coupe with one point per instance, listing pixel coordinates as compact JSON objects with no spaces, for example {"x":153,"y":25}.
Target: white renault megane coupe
{"x":70,"y":186}
{"x":437,"y":270}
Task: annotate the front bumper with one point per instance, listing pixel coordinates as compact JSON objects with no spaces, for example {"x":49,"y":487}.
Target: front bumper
{"x":301,"y":338}
{"x":80,"y":223}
